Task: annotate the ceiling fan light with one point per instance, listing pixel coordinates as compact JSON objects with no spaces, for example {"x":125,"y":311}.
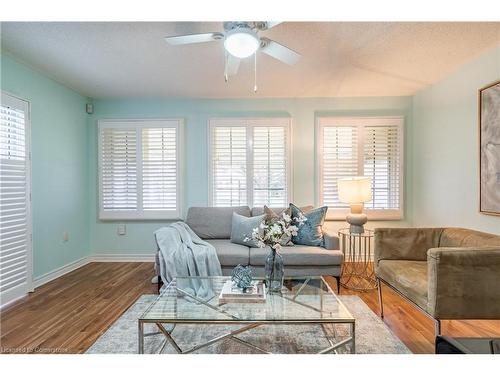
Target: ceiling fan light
{"x":241,"y":42}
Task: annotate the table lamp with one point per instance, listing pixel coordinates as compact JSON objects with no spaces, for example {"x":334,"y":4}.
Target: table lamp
{"x":355,"y":191}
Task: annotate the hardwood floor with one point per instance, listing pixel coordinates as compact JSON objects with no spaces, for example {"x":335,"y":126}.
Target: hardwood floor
{"x":68,"y":314}
{"x":413,"y":327}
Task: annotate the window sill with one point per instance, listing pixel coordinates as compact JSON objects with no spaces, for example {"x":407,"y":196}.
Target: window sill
{"x":130,"y":216}
{"x":373,"y":215}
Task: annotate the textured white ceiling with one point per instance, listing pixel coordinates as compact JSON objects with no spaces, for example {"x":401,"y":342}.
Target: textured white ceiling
{"x":126,"y":59}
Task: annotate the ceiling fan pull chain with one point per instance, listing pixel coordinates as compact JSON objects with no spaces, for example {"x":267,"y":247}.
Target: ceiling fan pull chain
{"x":225,"y":67}
{"x":255,"y":73}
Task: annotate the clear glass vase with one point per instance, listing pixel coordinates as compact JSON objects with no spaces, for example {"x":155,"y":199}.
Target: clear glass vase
{"x":275,"y":272}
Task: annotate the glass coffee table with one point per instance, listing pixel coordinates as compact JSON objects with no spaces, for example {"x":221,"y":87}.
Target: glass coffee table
{"x":305,"y":300}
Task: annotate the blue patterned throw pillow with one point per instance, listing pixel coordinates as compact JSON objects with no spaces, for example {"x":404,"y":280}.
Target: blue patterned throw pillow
{"x":311,"y":232}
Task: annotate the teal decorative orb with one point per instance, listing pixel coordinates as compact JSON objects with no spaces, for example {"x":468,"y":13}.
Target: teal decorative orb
{"x":242,"y":276}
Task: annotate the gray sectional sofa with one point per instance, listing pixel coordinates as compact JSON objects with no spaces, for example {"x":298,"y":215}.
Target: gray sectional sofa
{"x":213,"y":224}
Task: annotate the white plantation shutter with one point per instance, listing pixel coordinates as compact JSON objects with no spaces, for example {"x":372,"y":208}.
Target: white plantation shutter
{"x":371,"y":147}
{"x":15,"y":220}
{"x":250,"y":162}
{"x":382,"y":164}
{"x":119,"y":169}
{"x":270,"y":166}
{"x":139,"y":169}
{"x":229,"y":166}
{"x":340,"y":160}
{"x":159,"y":169}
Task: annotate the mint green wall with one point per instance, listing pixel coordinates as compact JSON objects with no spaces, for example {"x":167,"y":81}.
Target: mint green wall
{"x":445,"y":144}
{"x":196,"y":112}
{"x":59,"y":165}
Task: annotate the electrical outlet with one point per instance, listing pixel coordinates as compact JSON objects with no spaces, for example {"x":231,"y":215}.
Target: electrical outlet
{"x":65,"y":237}
{"x":122,"y":229}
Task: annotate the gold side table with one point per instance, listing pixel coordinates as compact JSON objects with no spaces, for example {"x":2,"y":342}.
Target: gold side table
{"x":357,"y":269}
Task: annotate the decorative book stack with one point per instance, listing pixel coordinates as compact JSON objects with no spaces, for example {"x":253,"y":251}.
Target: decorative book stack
{"x":231,"y":293}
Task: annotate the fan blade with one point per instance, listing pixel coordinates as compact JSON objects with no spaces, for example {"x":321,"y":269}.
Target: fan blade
{"x":279,"y":52}
{"x":193,"y":38}
{"x":233,"y":63}
{"x":270,"y":24}
{"x":265,"y":25}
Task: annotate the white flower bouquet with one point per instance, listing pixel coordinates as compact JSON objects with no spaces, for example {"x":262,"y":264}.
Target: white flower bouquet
{"x":274,"y":232}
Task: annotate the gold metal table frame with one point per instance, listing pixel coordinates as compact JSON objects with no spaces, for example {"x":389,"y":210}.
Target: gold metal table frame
{"x":357,"y":269}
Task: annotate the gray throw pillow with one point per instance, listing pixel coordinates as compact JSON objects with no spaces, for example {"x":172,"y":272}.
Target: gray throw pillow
{"x":311,"y":232}
{"x":242,"y":227}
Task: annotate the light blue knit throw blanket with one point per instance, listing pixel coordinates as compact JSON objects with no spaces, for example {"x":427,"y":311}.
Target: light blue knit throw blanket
{"x":183,"y":253}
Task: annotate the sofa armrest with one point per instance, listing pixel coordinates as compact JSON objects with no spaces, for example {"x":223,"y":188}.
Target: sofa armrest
{"x":463,"y":282}
{"x":405,"y":243}
{"x":330,"y":241}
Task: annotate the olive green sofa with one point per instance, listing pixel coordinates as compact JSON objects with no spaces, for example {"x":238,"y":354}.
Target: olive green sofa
{"x":448,"y":273}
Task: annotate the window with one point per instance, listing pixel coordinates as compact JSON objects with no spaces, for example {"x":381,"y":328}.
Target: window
{"x":358,"y":146}
{"x":15,"y":202}
{"x":249,"y":162}
{"x":139,"y":169}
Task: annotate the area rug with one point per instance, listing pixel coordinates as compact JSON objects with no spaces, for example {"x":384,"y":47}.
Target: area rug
{"x":372,"y":335}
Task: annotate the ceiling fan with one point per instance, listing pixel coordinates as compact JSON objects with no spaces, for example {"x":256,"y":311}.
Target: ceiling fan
{"x":241,"y":40}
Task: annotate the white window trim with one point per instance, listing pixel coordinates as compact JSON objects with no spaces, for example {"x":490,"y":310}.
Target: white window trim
{"x":350,"y":121}
{"x":17,"y":292}
{"x":139,"y":214}
{"x":249,"y":123}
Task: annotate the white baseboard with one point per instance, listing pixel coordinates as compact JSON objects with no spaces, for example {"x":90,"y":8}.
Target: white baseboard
{"x":122,"y":258}
{"x":58,"y":272}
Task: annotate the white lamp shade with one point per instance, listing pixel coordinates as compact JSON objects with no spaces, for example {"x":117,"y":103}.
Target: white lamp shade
{"x":355,"y":189}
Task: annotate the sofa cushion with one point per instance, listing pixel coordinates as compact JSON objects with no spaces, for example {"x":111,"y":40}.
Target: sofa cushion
{"x":230,"y":254}
{"x":242,"y":228}
{"x":408,"y":276}
{"x":213,"y":222}
{"x":299,"y":256}
{"x":460,"y":237}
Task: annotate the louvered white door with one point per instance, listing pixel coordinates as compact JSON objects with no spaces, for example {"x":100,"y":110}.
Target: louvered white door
{"x":270,"y":165}
{"x":15,"y":210}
